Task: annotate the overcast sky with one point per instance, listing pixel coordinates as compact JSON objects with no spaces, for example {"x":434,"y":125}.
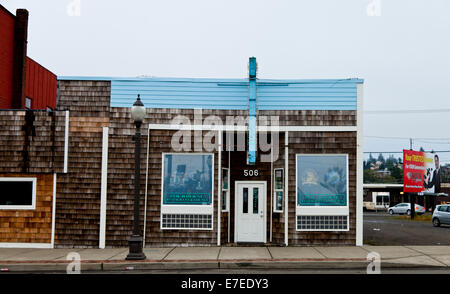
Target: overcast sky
{"x":401,"y":49}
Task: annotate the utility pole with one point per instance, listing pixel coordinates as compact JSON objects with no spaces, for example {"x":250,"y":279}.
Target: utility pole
{"x":410,"y":144}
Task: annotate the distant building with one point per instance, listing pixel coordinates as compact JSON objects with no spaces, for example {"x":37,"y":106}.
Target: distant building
{"x":24,"y":84}
{"x":382,"y":173}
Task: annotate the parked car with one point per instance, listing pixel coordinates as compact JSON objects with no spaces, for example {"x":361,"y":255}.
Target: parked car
{"x":441,"y":215}
{"x":405,"y":208}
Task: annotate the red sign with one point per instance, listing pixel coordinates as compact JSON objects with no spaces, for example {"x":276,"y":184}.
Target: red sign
{"x":413,"y":171}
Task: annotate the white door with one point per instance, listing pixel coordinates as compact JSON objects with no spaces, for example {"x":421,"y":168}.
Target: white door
{"x":250,"y":216}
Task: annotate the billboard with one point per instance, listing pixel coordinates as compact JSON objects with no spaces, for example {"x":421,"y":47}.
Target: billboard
{"x":421,"y":172}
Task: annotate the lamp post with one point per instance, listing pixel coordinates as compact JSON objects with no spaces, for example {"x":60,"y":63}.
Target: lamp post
{"x":137,"y":114}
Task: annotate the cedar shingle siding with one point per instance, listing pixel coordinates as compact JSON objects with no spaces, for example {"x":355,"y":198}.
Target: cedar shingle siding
{"x":78,"y":191}
{"x":30,"y":226}
{"x":23,"y":151}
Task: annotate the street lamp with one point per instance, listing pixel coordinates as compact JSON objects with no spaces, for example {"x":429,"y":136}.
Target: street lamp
{"x":137,"y":114}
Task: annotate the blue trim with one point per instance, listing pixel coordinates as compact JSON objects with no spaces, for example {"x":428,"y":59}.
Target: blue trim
{"x":261,"y":82}
{"x":234,"y":94}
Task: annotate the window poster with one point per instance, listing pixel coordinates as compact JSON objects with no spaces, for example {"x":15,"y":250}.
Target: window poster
{"x":321,"y":180}
{"x":187,"y":179}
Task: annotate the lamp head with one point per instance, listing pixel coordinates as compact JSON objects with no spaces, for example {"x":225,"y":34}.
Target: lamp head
{"x":138,"y":111}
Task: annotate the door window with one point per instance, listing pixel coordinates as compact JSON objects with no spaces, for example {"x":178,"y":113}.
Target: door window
{"x":255,"y":200}
{"x":245,"y":201}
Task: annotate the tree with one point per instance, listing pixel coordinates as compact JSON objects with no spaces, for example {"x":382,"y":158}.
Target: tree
{"x":397,"y":174}
{"x":371,"y":177}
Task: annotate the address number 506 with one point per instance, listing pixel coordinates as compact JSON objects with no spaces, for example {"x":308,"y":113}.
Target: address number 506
{"x":251,"y":172}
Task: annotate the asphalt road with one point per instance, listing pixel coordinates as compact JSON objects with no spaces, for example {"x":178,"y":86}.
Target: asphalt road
{"x":382,"y":229}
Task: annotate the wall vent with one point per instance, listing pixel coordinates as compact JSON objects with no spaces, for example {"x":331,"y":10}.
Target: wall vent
{"x":322,"y":223}
{"x":187,"y":221}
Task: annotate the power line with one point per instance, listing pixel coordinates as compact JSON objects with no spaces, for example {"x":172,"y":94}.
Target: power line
{"x":406,"y":138}
{"x":407,"y":111}
{"x":393,"y":152}
{"x":431,"y":142}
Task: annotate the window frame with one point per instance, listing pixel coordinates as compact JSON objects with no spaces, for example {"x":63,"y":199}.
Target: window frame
{"x":183,"y":208}
{"x":33,"y":191}
{"x":275,"y":191}
{"x":323,"y":210}
{"x":227,"y":203}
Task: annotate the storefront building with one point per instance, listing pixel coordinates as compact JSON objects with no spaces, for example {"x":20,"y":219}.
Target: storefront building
{"x":224,"y":162}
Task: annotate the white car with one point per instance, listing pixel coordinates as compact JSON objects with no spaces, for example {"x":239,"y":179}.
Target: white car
{"x":441,"y":215}
{"x":405,"y":208}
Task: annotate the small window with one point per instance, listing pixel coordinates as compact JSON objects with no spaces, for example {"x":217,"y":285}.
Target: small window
{"x":278,"y":190}
{"x":28,"y":103}
{"x":225,"y":189}
{"x":18,"y":193}
{"x":224,"y":200}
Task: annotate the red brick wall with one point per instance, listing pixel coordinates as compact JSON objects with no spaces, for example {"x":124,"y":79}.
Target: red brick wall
{"x":6,"y":57}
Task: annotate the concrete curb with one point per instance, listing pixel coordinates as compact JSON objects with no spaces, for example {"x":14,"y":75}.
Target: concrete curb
{"x":159,"y":266}
{"x":195,"y":265}
{"x":47,"y":267}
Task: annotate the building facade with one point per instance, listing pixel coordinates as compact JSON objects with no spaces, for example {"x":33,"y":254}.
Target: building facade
{"x":224,"y":162}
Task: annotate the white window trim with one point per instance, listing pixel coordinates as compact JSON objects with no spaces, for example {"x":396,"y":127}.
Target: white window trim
{"x":186,"y":209}
{"x":322,"y":210}
{"x":33,"y":199}
{"x":275,"y":190}
{"x":227,"y":204}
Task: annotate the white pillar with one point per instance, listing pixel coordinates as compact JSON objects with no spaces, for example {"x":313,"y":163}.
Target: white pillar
{"x":103,"y":189}
{"x":146,"y":187}
{"x":53,"y":212}
{"x":66,"y":142}
{"x":219,"y":186}
{"x":359,"y":166}
{"x":286,"y":187}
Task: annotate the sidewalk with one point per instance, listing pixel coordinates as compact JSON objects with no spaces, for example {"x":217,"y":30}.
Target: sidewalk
{"x":55,"y":260}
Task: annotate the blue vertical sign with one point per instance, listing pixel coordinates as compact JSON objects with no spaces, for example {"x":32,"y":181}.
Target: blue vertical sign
{"x":252,"y":112}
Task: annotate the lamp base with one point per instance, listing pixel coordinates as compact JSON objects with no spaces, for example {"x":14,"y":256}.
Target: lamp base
{"x":136,"y":252}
